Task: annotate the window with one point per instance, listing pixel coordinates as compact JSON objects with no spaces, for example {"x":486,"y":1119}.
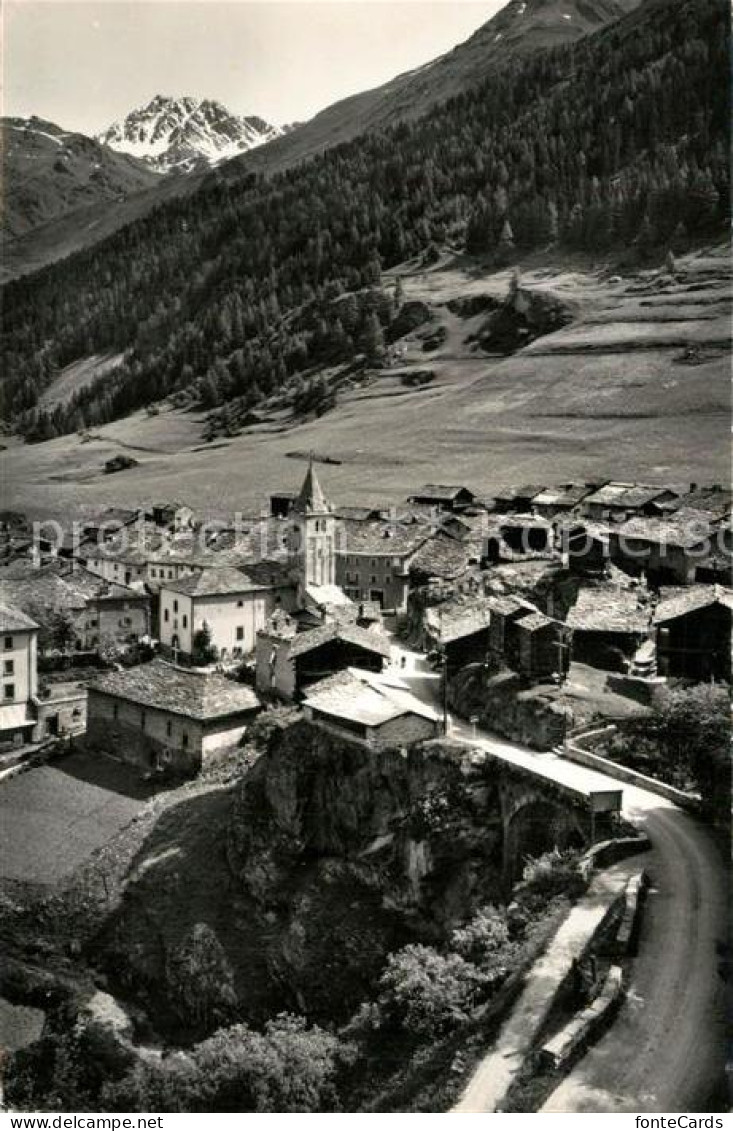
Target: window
{"x":166,"y":615}
{"x":115,"y":711}
{"x":184,"y":740}
{"x":240,"y":632}
{"x":185,"y":621}
{"x":93,"y":623}
{"x":8,"y":642}
{"x":168,"y":728}
{"x":143,"y":718}
{"x":240,"y":604}
{"x":170,"y":574}
{"x":9,"y":691}
{"x":175,"y":606}
{"x":9,"y":668}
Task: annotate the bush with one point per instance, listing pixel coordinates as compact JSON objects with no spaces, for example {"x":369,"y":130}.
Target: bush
{"x":554,"y":873}
{"x":427,"y":993}
{"x":485,"y":940}
{"x":288,"y":1068}
{"x":200,"y":979}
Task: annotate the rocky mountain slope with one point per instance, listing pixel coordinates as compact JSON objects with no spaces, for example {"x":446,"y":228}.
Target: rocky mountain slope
{"x":48,"y":172}
{"x":182,"y":134}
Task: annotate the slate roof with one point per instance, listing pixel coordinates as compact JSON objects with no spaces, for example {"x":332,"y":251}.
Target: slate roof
{"x":195,"y":693}
{"x":626,"y":494}
{"x":444,"y":492}
{"x":354,"y":696}
{"x":717,"y":502}
{"x":683,"y":528}
{"x":456,"y":622}
{"x":677,"y":602}
{"x":13,"y":620}
{"x":566,"y":495}
{"x":442,"y":556}
{"x":214,"y":583}
{"x":508,"y":606}
{"x":306,"y":642}
{"x":380,"y":538}
{"x":608,"y":609}
{"x":526,"y":491}
{"x":359,"y":514}
{"x":534,"y":622}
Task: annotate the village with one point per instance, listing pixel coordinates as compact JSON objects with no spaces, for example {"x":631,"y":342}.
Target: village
{"x":155,"y":641}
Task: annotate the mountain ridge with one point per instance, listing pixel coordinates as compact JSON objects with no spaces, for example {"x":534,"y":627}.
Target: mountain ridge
{"x":528,"y":25}
{"x":49,"y":171}
{"x":182,"y":134}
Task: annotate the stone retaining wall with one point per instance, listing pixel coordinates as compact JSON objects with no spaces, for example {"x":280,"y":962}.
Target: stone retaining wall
{"x":576,"y":750}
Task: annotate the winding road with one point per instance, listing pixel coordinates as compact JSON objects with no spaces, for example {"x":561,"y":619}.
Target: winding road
{"x":665,"y":1052}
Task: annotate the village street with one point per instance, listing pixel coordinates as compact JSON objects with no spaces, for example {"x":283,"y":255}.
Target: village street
{"x":666,"y":1049}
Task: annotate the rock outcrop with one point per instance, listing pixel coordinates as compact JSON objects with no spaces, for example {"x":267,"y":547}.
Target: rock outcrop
{"x":327,"y":857}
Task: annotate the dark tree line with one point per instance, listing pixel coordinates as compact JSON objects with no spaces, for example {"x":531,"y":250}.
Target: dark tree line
{"x":620,"y":140}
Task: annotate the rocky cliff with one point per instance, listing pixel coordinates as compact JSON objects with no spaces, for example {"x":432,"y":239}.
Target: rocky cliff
{"x":323,"y":860}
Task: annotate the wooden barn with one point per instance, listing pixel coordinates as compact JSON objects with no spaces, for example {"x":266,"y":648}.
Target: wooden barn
{"x":693,"y":632}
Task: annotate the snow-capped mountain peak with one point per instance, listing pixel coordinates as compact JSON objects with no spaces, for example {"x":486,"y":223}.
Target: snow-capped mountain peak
{"x":184,"y":133}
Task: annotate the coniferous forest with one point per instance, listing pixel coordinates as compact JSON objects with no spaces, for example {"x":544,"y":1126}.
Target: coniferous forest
{"x":619,"y":141}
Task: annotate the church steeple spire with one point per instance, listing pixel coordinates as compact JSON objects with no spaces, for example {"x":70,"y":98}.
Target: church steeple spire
{"x":311,"y":499}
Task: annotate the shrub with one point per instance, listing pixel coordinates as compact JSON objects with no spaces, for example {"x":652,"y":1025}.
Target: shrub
{"x":200,"y":979}
{"x":554,"y":873}
{"x":287,"y":1068}
{"x":427,"y":993}
{"x":485,"y":940}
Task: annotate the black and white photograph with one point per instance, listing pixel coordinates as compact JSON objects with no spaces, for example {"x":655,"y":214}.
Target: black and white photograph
{"x":366,"y":557}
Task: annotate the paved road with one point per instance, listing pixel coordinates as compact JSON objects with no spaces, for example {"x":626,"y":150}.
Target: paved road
{"x":666,"y":1050}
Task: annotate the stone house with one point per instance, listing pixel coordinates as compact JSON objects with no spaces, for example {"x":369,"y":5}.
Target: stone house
{"x":519,"y":536}
{"x":160,"y":715}
{"x":668,"y":551}
{"x":61,"y":709}
{"x":373,"y":561}
{"x":95,"y":610}
{"x":234,"y":605}
{"x":18,"y":657}
{"x":355,"y":705}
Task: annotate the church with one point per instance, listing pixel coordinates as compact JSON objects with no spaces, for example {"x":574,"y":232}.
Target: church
{"x":325,"y":632}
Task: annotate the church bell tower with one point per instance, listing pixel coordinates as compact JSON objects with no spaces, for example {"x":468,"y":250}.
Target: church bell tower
{"x":313,"y":535}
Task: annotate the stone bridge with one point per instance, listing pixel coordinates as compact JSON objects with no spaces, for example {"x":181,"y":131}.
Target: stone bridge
{"x":547,"y":803}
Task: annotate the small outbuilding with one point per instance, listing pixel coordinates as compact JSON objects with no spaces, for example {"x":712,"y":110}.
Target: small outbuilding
{"x":289,"y":661}
{"x":608,"y":624}
{"x":443,"y":496}
{"x":693,"y":632}
{"x":358,"y":706}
